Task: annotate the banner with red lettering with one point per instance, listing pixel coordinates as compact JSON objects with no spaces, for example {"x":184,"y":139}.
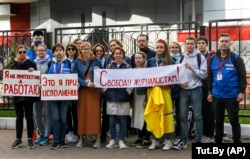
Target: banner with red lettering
{"x":21,"y":83}
{"x":143,"y":77}
{"x":59,"y":87}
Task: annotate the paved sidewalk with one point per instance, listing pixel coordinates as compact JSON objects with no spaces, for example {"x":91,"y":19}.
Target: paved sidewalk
{"x":44,"y":152}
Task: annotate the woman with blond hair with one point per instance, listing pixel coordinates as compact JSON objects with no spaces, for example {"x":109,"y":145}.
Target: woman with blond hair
{"x":89,"y":101}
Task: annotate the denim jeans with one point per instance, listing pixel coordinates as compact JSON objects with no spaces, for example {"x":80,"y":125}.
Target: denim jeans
{"x":232,"y":107}
{"x":43,"y":117}
{"x":193,"y":97}
{"x":21,"y":109}
{"x":123,"y":125}
{"x":59,"y":111}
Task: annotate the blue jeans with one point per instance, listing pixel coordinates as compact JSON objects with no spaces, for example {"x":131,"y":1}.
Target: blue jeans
{"x":44,"y":124}
{"x":123,"y":125}
{"x":59,"y":111}
{"x":193,"y":97}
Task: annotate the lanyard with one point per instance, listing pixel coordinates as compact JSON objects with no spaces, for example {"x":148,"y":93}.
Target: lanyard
{"x":224,"y":62}
{"x":61,"y":69}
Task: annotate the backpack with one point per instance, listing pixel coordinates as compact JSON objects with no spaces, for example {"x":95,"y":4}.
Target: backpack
{"x":233,"y":59}
{"x":198,"y":59}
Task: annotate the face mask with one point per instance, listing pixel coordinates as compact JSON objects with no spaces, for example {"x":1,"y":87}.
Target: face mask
{"x":37,"y":42}
{"x":175,"y":56}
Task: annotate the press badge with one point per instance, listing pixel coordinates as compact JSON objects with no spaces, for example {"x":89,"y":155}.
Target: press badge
{"x":219,"y":76}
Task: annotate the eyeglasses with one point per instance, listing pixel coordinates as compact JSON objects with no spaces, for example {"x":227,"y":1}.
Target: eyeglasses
{"x":98,"y":50}
{"x":22,"y":52}
{"x":73,"y":49}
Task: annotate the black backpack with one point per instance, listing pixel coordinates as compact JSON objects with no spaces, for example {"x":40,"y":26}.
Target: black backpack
{"x":198,"y":59}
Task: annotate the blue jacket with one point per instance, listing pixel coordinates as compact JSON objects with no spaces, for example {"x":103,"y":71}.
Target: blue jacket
{"x":32,"y":54}
{"x":117,"y":94}
{"x":80,"y":67}
{"x":55,"y":67}
{"x":233,"y":77}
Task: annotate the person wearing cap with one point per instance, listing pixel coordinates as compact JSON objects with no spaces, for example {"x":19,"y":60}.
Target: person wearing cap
{"x":38,"y":38}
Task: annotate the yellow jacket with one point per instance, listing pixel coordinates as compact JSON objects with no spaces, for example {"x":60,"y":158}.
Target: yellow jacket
{"x":159,"y":112}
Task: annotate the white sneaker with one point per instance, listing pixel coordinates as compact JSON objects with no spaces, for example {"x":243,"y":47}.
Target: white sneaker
{"x":80,"y":144}
{"x":111,"y":144}
{"x":69,"y":136}
{"x":74,"y":138}
{"x":154,"y":144}
{"x":122,"y":145}
{"x":97,"y":144}
{"x":167,"y":145}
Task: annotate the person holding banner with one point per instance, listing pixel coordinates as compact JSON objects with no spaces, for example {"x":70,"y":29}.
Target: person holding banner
{"x":44,"y":128}
{"x":89,"y":101}
{"x":139,"y":103}
{"x":59,"y":65}
{"x":118,"y":101}
{"x":23,"y":104}
{"x":159,"y":117}
{"x":191,"y":91}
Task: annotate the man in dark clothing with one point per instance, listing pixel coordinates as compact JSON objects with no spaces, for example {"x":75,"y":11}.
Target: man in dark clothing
{"x":226,"y":87}
{"x":142,"y":43}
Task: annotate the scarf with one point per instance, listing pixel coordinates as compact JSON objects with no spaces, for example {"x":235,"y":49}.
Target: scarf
{"x":161,"y":59}
{"x":42,"y":60}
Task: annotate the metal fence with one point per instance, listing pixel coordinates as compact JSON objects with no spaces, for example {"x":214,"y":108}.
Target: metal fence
{"x":127,"y":34}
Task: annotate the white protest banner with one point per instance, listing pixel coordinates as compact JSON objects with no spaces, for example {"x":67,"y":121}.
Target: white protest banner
{"x":21,"y":83}
{"x":143,"y":77}
{"x":59,"y":87}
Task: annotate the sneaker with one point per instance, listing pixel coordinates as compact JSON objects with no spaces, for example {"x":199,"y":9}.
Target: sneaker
{"x":154,"y":145}
{"x":17,"y":143}
{"x":137,"y":142}
{"x":69,"y":136}
{"x":74,"y":138}
{"x":55,"y":145}
{"x":144,"y":144}
{"x":44,"y":142}
{"x":207,"y":140}
{"x":97,"y":144}
{"x":167,"y":145}
{"x":111,"y":144}
{"x":63,"y":144}
{"x":30,"y":144}
{"x":38,"y":140}
{"x":80,"y":144}
{"x":180,"y":145}
{"x":122,"y":145}
{"x":176,"y":141}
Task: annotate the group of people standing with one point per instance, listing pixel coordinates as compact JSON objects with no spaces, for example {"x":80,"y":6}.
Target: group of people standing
{"x":216,"y":81}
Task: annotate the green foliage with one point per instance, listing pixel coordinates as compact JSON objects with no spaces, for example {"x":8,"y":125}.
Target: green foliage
{"x":7,"y":113}
{"x":12,"y":55}
{"x":242,"y":120}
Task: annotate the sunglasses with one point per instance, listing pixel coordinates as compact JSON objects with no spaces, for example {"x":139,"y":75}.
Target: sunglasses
{"x":22,"y":52}
{"x":73,"y":49}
